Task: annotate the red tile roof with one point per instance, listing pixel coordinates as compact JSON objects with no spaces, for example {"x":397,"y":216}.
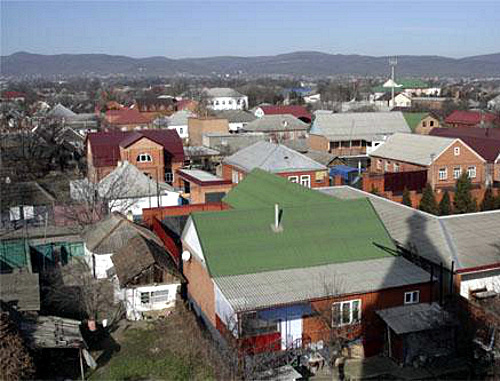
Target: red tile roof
{"x":297,"y":111}
{"x":106,"y":145}
{"x":125,"y":117}
{"x":485,"y":141}
{"x":469,"y":117}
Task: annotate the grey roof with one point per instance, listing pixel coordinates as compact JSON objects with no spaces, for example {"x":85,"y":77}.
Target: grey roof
{"x":200,"y":175}
{"x":222,"y":92}
{"x":61,"y":112}
{"x":322,"y":157}
{"x":179,"y":118}
{"x":271,"y":288}
{"x":470,"y":240}
{"x":125,"y":181}
{"x":25,"y":193}
{"x":236,"y":116}
{"x":281,"y":122}
{"x":412,"y":148}
{"x":416,"y":318}
{"x":197,"y":151}
{"x":21,"y":290}
{"x":367,"y":126}
{"x":112,"y":233}
{"x":52,"y":332}
{"x":230,"y":143}
{"x":272,"y":158}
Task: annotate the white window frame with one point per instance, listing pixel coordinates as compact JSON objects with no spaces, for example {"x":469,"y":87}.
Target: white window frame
{"x":386,"y":166}
{"x":443,"y":173}
{"x":235,"y":177}
{"x":15,"y":213}
{"x":457,"y":172}
{"x":150,"y":298}
{"x":412,"y":297}
{"x":471,"y":172}
{"x":456,"y":151}
{"x":396,"y":167}
{"x":338,"y":320}
{"x":305,"y":180}
{"x":293,"y":179}
{"x":28,"y":212}
{"x":169,"y":177}
{"x":144,"y":158}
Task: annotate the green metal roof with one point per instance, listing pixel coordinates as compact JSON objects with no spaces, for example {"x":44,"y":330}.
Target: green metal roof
{"x":261,"y":189}
{"x":414,"y":118}
{"x":316,"y":231}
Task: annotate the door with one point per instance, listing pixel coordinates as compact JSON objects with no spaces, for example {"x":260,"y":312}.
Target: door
{"x":291,"y":333}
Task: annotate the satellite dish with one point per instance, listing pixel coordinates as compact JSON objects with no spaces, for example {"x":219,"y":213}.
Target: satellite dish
{"x":186,"y":256}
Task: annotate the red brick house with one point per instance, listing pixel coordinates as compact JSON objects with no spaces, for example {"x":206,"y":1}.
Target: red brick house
{"x":273,"y":279}
{"x":485,"y":141}
{"x":277,"y":159}
{"x":460,"y":118}
{"x":445,"y":159}
{"x":125,"y":120}
{"x":158,"y":153}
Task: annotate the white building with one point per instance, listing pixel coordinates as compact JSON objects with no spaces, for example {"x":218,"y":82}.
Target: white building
{"x":179,"y":121}
{"x":126,"y":190}
{"x":147,"y":280}
{"x":224,"y":98}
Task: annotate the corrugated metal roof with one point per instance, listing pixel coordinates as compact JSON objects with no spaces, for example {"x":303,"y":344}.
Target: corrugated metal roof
{"x":280,"y":122}
{"x":358,"y":125}
{"x":475,"y":237}
{"x":272,"y":158}
{"x":412,"y":148}
{"x":222,"y":92}
{"x":270,"y":288}
{"x":416,"y":318}
{"x":236,"y":116}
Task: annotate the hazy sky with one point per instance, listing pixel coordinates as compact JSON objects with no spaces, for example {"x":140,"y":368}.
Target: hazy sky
{"x":207,"y":28}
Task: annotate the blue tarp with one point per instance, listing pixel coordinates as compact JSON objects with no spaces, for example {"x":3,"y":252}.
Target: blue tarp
{"x":342,"y":170}
{"x":285,"y":313}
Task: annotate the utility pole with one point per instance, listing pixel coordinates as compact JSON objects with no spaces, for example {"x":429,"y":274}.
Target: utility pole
{"x":393,"y":61}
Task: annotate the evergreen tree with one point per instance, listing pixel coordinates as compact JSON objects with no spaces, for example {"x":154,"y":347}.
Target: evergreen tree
{"x":489,"y":202}
{"x":406,"y":198}
{"x":463,"y":201}
{"x":445,"y":205}
{"x":428,"y":202}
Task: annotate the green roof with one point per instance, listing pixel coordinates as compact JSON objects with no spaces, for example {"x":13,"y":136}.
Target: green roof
{"x":261,"y":189}
{"x":317,"y":232}
{"x":414,"y":118}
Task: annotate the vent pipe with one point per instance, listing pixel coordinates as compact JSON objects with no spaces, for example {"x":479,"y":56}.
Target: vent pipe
{"x":277,"y":227}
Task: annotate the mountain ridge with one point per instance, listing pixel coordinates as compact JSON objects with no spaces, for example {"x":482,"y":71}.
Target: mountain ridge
{"x":294,"y":63}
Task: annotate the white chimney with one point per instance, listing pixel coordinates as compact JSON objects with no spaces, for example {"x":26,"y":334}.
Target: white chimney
{"x":277,"y":227}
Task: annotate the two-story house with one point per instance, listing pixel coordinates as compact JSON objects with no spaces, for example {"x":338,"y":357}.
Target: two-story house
{"x":280,"y":127}
{"x":157,"y":153}
{"x":354,"y":134}
{"x":300,"y":112}
{"x":277,"y":159}
{"x":224,"y":98}
{"x":445,"y":159}
{"x":125,"y":120}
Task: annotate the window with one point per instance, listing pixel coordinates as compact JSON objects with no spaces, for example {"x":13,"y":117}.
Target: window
{"x":238,"y":101}
{"x":471,"y":172}
{"x":160,"y":296}
{"x":223,"y":102}
{"x":457,"y":171}
{"x":29,"y":211}
{"x":15,"y":213}
{"x":424,"y":124}
{"x":145,"y":298}
{"x":456,"y":151}
{"x":412,"y":297}
{"x":305,"y":180}
{"x":386,"y":166}
{"x":216,"y":103}
{"x":431,"y":123}
{"x":252,"y":324}
{"x":396,"y":167}
{"x":169,"y":177}
{"x":229,"y":102}
{"x":181,"y":130}
{"x":379,"y":164}
{"x":443,"y":173}
{"x":144,"y":158}
{"x":345,"y":313}
{"x":293,"y":179}
{"x":235,"y":178}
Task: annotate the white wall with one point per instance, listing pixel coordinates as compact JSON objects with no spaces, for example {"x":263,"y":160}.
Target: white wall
{"x":228,"y":103}
{"x":190,"y":238}
{"x":236,"y":126}
{"x":184,"y":134}
{"x":136,"y":205}
{"x":485,"y":279}
{"x":135,"y":307}
{"x":99,"y":264}
{"x":225,"y":312}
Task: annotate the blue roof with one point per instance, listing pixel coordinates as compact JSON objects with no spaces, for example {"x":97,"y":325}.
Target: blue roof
{"x":342,"y":170}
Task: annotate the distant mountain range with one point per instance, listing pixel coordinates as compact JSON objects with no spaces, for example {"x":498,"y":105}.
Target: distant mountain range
{"x":297,"y":63}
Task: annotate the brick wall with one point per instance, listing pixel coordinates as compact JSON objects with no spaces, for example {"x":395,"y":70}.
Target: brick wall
{"x":198,"y":193}
{"x":182,"y":210}
{"x":200,"y":287}
{"x":156,"y":168}
{"x":199,"y":126}
{"x":318,"y":143}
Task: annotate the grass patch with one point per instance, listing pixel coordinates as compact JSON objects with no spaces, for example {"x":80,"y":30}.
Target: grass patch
{"x":173,"y":349}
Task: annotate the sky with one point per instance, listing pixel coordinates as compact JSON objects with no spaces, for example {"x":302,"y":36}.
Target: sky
{"x":248,"y":28}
